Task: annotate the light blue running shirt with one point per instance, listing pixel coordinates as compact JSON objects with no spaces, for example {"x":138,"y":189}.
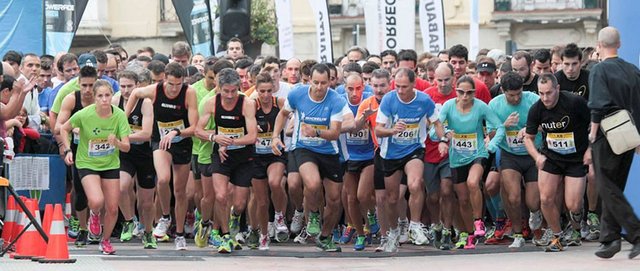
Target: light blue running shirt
{"x":414,"y":114}
{"x":503,"y":109}
{"x":467,"y":143}
{"x":317,"y":114}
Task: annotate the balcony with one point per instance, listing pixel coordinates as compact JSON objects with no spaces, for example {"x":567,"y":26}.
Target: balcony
{"x":533,"y":5}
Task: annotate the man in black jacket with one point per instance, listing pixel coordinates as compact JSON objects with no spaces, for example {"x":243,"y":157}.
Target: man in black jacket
{"x":614,"y":85}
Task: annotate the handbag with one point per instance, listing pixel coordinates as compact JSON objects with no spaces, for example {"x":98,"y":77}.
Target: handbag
{"x":620,"y":131}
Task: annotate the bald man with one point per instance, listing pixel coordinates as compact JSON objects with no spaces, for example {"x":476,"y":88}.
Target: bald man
{"x":613,"y":84}
{"x":292,"y":71}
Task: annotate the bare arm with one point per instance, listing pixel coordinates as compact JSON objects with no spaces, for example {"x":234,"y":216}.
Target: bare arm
{"x":192,"y":107}
{"x":249,"y":113}
{"x":65,"y":112}
{"x":203,"y":120}
{"x":139,"y":93}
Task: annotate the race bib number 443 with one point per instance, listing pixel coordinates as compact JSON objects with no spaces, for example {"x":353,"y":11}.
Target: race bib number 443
{"x":466,"y":144}
{"x":515,"y":143}
{"x":100,"y":147}
{"x":562,"y":143}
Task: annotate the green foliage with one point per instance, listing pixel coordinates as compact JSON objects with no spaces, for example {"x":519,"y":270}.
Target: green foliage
{"x":263,"y":22}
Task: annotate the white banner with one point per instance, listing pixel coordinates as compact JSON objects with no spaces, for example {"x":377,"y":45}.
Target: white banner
{"x":216,"y":25}
{"x":474,"y":30}
{"x":390,"y":24}
{"x":432,"y":25}
{"x":323,"y":30}
{"x":285,"y":28}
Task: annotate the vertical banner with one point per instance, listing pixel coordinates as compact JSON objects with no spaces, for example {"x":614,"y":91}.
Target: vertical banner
{"x":474,"y":30}
{"x":432,"y":25}
{"x":194,"y":17}
{"x":21,"y":27}
{"x":285,"y":28}
{"x":390,"y":25}
{"x":61,"y":24}
{"x":323,"y":30}
{"x":623,"y":16}
{"x":215,"y":24}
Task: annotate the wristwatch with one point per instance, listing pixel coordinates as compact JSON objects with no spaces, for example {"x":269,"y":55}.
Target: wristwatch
{"x":177,"y":131}
{"x":67,"y":151}
{"x":444,"y":139}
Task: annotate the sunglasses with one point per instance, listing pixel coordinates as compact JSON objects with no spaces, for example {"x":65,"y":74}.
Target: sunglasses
{"x":468,"y":92}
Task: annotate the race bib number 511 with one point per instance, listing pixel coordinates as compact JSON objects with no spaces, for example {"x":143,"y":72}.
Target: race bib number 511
{"x":562,"y":143}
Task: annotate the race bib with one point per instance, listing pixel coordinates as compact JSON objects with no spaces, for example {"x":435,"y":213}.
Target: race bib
{"x":233,"y":133}
{"x":314,"y":141}
{"x":466,"y":144}
{"x":263,"y":145}
{"x":407,"y":137}
{"x":100,"y":147}
{"x":562,"y":143}
{"x":135,"y":129}
{"x":516,"y":144}
{"x":358,"y":138}
{"x":165,"y":127}
{"x":76,"y":138}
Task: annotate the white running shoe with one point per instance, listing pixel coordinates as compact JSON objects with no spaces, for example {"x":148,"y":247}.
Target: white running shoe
{"x":181,"y":243}
{"x":161,"y":229}
{"x":403,"y":225}
{"x":417,"y":234}
{"x":535,"y":220}
{"x":518,"y":241}
{"x":297,"y":222}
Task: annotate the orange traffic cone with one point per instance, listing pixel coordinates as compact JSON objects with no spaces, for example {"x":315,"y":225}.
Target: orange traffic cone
{"x":31,"y":241}
{"x":67,"y":215}
{"x":17,"y":227}
{"x":10,"y":217}
{"x":57,"y":251}
{"x":46,"y":225}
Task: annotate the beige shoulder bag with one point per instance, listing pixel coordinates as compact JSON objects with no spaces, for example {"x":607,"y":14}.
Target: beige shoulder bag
{"x":620,"y":131}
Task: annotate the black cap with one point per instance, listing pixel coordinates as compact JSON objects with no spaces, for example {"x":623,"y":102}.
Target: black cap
{"x":486,"y":67}
{"x":162,"y":58}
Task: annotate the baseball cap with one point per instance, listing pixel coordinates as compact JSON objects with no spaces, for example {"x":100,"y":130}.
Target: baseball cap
{"x":486,"y":67}
{"x":87,"y":60}
{"x":163,"y":58}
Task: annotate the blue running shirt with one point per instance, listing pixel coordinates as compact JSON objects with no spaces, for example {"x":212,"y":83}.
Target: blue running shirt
{"x":318,"y":114}
{"x":359,"y":144}
{"x":414,"y":114}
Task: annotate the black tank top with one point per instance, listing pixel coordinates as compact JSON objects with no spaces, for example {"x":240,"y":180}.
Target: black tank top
{"x":266,"y":121}
{"x":231,"y":123}
{"x":135,"y":122}
{"x":169,"y":113}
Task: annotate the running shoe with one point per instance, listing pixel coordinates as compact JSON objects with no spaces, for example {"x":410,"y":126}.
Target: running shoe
{"x":594,"y":227}
{"x":234,"y":224}
{"x":215,"y":239}
{"x":74,"y":227}
{"x":327,"y":245}
{"x":393,"y":237}
{"x":264,"y":242}
{"x":138,"y":228}
{"x":127,"y":231}
{"x":554,"y":246}
{"x":417,"y":234}
{"x":253,"y":241}
{"x":313,"y":226}
{"x":271,"y":229}
{"x":347,"y":235}
{"x":360,"y":243}
{"x":282,"y":232}
{"x":503,"y":228}
{"x":372,"y":219}
{"x":518,"y":241}
{"x":574,"y":239}
{"x":160,"y":231}
{"x":471,"y":242}
{"x":535,"y":220}
{"x":94,"y":224}
{"x":106,"y":248}
{"x":82,"y":239}
{"x":404,"y":231}
{"x":225,"y":245}
{"x":189,"y":223}
{"x":435,"y":233}
{"x":383,"y":243}
{"x":149,"y":241}
{"x":202,"y":234}
{"x":336,"y":234}
{"x":297,"y":222}
{"x":462,"y":240}
{"x":302,"y":237}
{"x":479,"y":228}
{"x":181,"y":243}
{"x":446,"y":243}
{"x":545,"y":239}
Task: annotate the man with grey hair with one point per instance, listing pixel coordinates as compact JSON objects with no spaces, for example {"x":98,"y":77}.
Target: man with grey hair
{"x":614,"y":86}
{"x":234,"y":136}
